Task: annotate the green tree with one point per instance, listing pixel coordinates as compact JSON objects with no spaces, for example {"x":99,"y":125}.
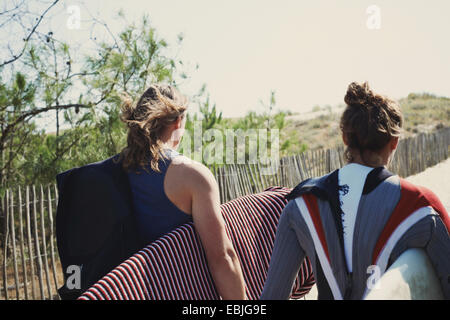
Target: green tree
{"x":83,"y":93}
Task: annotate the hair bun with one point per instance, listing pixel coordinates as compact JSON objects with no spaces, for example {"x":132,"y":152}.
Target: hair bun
{"x":370,"y":119}
{"x":359,"y":95}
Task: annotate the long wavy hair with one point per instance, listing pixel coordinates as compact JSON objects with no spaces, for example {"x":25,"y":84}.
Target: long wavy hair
{"x":159,"y":106}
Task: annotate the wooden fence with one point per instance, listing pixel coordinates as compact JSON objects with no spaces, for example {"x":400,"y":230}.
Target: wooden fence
{"x":29,"y":258}
{"x":29,"y":254}
{"x":413,"y":155}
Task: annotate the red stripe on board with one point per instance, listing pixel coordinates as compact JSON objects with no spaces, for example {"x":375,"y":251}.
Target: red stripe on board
{"x":154,"y":275}
{"x":115,"y":276}
{"x":189,"y":245}
{"x":113,"y":286}
{"x":175,"y":266}
{"x":127,"y":282}
{"x":242,"y":249}
{"x":131,"y":273}
{"x":102,"y":283}
{"x":186,"y":262}
{"x":89,"y":296}
{"x":97,"y":294}
{"x":255,"y":255}
{"x":204,"y":276}
{"x":104,"y":292}
{"x":178,"y":269}
{"x":248,"y":231}
{"x":165,"y":261}
{"x":259,"y":227}
{"x":139,"y":272}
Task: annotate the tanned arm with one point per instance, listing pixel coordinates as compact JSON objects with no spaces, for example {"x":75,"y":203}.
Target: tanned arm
{"x":210,"y":226}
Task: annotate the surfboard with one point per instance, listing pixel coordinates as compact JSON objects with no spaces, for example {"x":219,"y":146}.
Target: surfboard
{"x":410,"y":277}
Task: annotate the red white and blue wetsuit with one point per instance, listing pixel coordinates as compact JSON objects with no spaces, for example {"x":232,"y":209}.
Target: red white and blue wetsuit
{"x":392,"y":215}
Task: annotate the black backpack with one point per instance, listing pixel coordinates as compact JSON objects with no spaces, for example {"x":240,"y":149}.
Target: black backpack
{"x":95,"y":224}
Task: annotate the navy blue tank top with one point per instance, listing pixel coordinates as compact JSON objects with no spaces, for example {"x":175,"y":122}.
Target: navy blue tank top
{"x":156,"y":215}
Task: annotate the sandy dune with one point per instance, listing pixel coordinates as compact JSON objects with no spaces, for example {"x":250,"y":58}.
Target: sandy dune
{"x":437,"y":179}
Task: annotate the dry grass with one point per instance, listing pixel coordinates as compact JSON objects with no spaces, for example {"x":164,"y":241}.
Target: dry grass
{"x":422,"y":113}
{"x":11,"y":285}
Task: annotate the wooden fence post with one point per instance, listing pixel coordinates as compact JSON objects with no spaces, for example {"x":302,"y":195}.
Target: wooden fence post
{"x":38,"y":250}
{"x":52,"y":237}
{"x":13,"y":242}
{"x":22,"y":247}
{"x":44,"y":244}
{"x":30,"y":246}
{"x":5,"y":244}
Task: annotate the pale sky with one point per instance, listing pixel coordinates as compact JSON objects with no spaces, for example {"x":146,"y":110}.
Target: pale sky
{"x":306,"y":51}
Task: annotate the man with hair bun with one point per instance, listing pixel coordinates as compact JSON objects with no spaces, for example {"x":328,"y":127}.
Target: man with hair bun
{"x":359,"y":216}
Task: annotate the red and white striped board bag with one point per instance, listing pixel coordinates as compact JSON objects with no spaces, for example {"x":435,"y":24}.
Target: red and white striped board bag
{"x":174,"y":267}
